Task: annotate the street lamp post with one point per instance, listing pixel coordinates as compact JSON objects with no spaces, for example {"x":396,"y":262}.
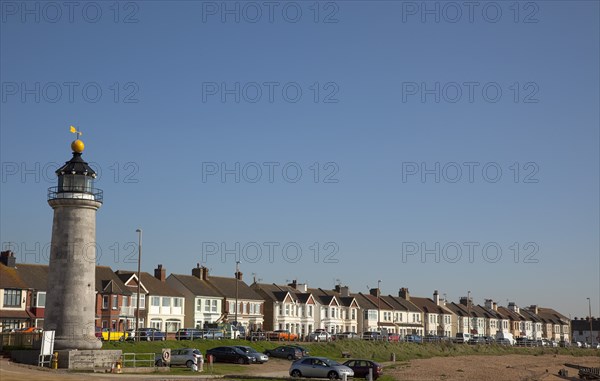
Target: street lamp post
{"x":469,"y":309}
{"x":139,"y":269}
{"x":378,"y":305}
{"x":237,"y":280}
{"x":591,"y":332}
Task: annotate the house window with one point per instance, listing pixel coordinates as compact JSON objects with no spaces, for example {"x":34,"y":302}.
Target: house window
{"x":199,"y":305}
{"x":105,"y":302}
{"x":39,"y":299}
{"x":310,"y":311}
{"x":214,"y":306}
{"x":115,"y":302}
{"x":354,"y":314}
{"x":155,"y":301}
{"x":166,"y":302}
{"x":177,"y":302}
{"x":125,"y":302}
{"x":231,"y":307}
{"x":12,"y":298}
{"x":246,"y":308}
{"x":156,"y":323}
{"x":142,"y":301}
{"x":287,"y":309}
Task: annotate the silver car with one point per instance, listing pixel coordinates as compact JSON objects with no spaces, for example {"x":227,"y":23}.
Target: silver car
{"x":319,"y":367}
{"x":261,"y":358}
{"x":185,"y":356}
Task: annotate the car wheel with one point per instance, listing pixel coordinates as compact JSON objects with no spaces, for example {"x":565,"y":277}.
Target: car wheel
{"x":290,"y":357}
{"x":159,"y":363}
{"x":122,"y":338}
{"x":332,"y":375}
{"x":189,"y":363}
{"x":296,"y":373}
{"x":240,"y":361}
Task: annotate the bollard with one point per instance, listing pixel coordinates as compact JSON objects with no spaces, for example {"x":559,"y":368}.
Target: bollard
{"x":344,"y":377}
{"x":55,"y":360}
{"x":370,"y":375}
{"x":393,"y":357}
{"x":118,"y":365}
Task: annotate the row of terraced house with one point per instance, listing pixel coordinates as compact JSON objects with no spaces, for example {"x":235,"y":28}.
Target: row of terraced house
{"x":195,"y":300}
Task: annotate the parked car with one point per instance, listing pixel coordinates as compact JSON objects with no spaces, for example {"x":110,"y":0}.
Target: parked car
{"x":283,"y":335}
{"x":361,"y":368}
{"x":261,"y":358}
{"x":98,"y":333}
{"x":319,"y":367}
{"x":319,"y":335}
{"x":431,"y":339}
{"x":29,"y":330}
{"x":393,"y":337}
{"x":130,"y":334}
{"x":303,"y":350}
{"x":188,"y":334}
{"x":346,"y":335}
{"x":213,"y":334}
{"x":503,"y":341}
{"x":477,"y":340}
{"x":230,"y":354}
{"x":108,"y":335}
{"x":151,"y":334}
{"x":372,"y":335}
{"x":413,"y":339}
{"x":462,"y":337}
{"x":576,"y":344}
{"x":285,"y":352}
{"x":185,"y":356}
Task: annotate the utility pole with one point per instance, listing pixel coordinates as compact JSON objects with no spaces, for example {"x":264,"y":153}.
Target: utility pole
{"x":139,"y":282}
{"x":469,"y":309}
{"x":378,"y":305}
{"x":591,"y":331}
{"x":237,"y":280}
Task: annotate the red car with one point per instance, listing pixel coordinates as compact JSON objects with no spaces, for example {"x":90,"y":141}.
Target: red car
{"x":393,"y":337}
{"x":361,"y":368}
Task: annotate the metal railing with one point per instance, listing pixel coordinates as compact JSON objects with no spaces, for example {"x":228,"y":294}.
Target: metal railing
{"x":75,"y":192}
{"x":20,"y":340}
{"x":138,"y":360}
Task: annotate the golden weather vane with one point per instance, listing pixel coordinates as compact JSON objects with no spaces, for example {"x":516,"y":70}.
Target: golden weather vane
{"x":77,"y":145}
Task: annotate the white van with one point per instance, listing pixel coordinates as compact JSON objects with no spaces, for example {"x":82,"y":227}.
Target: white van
{"x":507,"y":337}
{"x":462,"y":338}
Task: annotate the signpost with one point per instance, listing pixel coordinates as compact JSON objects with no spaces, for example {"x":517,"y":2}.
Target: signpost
{"x":46,"y":348}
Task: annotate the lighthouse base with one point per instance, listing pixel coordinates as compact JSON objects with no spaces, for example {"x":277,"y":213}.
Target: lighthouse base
{"x":96,"y":360}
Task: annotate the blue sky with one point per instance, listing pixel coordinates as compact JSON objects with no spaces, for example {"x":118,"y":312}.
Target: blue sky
{"x":176,"y":99}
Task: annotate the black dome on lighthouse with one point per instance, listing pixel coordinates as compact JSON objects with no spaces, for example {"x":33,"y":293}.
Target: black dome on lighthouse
{"x":76,"y":166}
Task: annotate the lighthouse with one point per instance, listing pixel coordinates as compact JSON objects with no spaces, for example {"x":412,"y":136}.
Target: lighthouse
{"x":70,"y":303}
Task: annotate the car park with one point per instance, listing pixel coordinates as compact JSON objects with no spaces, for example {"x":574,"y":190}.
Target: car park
{"x":188,"y":334}
{"x":319,"y":367}
{"x":361,"y":368}
{"x":285,"y":352}
{"x":185,"y":356}
{"x":261,"y":358}
{"x":303,"y":351}
{"x":151,"y":334}
{"x":230,"y":354}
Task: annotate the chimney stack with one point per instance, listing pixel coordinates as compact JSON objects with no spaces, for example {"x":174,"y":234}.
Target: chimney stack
{"x":8,"y":258}
{"x":200,"y":272}
{"x":436,"y":298}
{"x":513,"y":307}
{"x":534,"y":308}
{"x":403,"y":293}
{"x":344,"y":291}
{"x":238,"y":275}
{"x":489,"y":303}
{"x":374,"y":292}
{"x":160,"y":273}
{"x":293,"y":284}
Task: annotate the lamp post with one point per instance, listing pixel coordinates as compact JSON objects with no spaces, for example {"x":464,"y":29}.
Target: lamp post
{"x":591,"y":332}
{"x":237,"y":280}
{"x":137,"y":308}
{"x":378,"y":305}
{"x":469,"y":309}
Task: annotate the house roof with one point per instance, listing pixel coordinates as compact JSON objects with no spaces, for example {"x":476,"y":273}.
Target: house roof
{"x":400,"y":304}
{"x":227,"y":287}
{"x":107,"y":282}
{"x":196,"y":285}
{"x":274,"y":292}
{"x":530,"y":315}
{"x":429,"y":306}
{"x":10,"y":277}
{"x":151,"y":284}
{"x":364,"y":302}
{"x":24,"y":276}
{"x":510,"y":314}
{"x":552,"y":315}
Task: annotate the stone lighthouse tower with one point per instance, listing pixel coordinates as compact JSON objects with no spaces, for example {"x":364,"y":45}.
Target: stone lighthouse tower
{"x":70,"y":302}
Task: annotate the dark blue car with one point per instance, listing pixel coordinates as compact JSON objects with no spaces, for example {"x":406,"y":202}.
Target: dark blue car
{"x":151,"y":334}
